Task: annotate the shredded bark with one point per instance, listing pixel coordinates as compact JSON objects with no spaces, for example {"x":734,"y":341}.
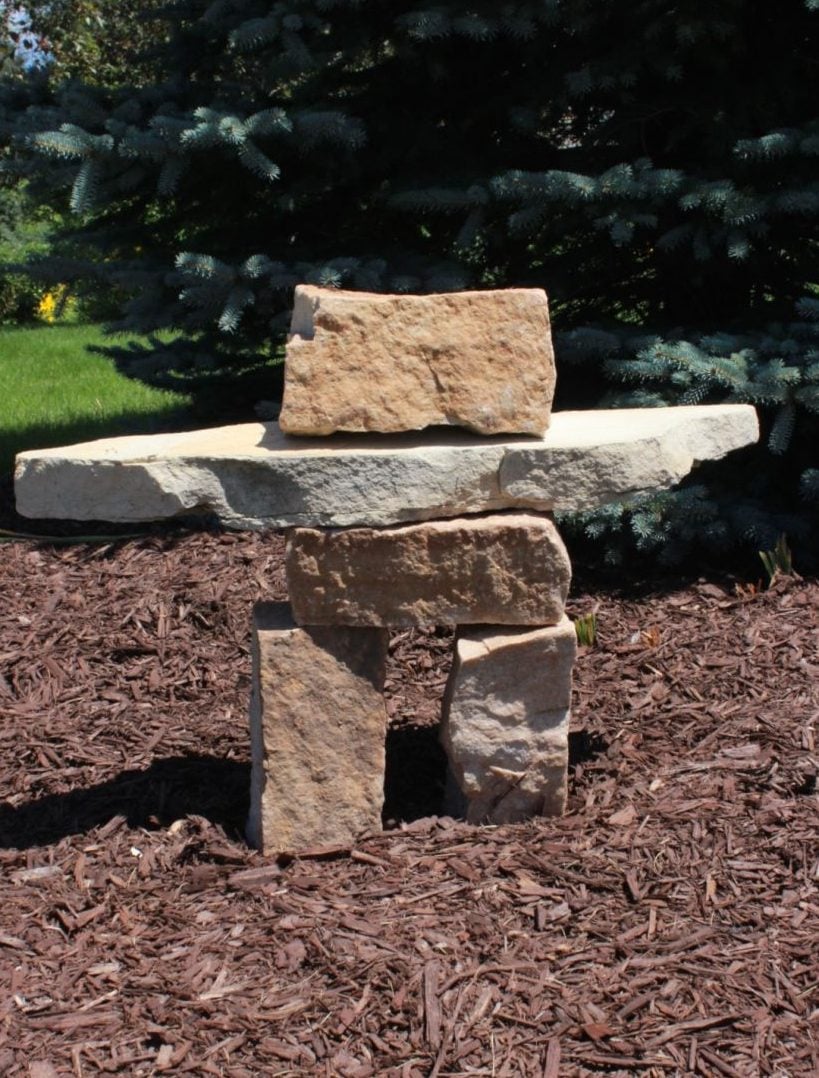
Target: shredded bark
{"x":668,"y":924}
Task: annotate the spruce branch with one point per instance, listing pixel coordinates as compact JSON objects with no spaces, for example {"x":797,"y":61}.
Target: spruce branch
{"x":298,"y":54}
{"x":268,"y":122}
{"x":257,"y":266}
{"x":425,"y":25}
{"x":770,"y":146}
{"x":316,"y":126}
{"x":808,"y":306}
{"x":255,"y":33}
{"x":173,"y":169}
{"x":470,"y":230}
{"x":404,"y":283}
{"x":238,"y":299}
{"x":216,"y":11}
{"x":781,"y":431}
{"x":71,"y":142}
{"x":798,"y":201}
{"x":369,"y":276}
{"x":148,"y":145}
{"x":675,"y":237}
{"x":520,"y":25}
{"x":258,"y":163}
{"x":440,"y":199}
{"x":809,"y":484}
{"x":474,"y":26}
{"x":204,"y":267}
{"x":737,"y":245}
{"x":86,"y":186}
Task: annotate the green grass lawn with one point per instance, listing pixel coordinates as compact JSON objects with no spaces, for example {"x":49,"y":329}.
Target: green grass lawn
{"x":53,"y":391}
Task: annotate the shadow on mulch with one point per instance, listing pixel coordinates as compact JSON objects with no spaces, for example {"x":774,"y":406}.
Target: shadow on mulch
{"x":168,"y":790}
{"x":217,"y":790}
{"x":415,"y":773}
{"x":585,"y":746}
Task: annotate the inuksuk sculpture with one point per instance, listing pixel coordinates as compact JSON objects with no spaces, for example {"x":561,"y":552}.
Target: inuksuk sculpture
{"x":395,"y":520}
{"x":391,"y":364}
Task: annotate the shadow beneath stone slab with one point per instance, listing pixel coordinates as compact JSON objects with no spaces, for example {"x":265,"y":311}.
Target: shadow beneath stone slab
{"x":415,"y":774}
{"x":390,"y":442}
{"x":168,"y":790}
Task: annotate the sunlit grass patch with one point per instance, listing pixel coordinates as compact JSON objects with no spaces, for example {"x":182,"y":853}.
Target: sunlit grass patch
{"x":54,"y":391}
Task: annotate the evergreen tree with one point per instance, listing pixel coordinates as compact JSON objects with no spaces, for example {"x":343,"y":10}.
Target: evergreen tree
{"x":653,"y":166}
{"x":103,"y":42}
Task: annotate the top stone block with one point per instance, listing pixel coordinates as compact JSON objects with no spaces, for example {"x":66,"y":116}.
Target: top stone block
{"x":357,"y":361}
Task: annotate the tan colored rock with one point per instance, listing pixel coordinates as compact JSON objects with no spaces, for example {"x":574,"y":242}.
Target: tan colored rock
{"x":253,"y":476}
{"x":505,"y":724}
{"x":318,"y":725}
{"x":357,"y":361}
{"x":507,"y":568}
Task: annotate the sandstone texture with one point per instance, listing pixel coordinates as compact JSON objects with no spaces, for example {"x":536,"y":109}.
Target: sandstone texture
{"x":357,"y":361}
{"x":252,"y":476}
{"x":505,"y":725}
{"x":318,"y":725}
{"x":507,"y":568}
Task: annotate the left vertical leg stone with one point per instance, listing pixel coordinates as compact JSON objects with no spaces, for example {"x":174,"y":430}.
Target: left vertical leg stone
{"x":317,"y":725}
{"x":506,"y":721}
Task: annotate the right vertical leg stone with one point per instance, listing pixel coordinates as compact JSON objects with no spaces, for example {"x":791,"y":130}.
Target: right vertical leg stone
{"x":506,"y":721}
{"x":318,"y":725}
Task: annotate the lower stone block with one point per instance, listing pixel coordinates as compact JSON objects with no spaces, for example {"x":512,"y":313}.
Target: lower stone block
{"x":505,"y":721}
{"x":318,"y":725}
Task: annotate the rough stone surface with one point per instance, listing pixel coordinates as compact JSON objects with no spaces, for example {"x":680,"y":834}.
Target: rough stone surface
{"x":253,"y":476}
{"x":357,"y":361}
{"x":507,"y":568}
{"x":505,"y":721}
{"x":318,"y":724}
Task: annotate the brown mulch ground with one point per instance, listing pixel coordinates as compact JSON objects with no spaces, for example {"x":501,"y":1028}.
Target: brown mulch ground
{"x":669,"y":924}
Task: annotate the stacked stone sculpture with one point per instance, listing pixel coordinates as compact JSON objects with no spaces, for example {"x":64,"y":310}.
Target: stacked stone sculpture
{"x":357,"y":362}
{"x":394,"y":520}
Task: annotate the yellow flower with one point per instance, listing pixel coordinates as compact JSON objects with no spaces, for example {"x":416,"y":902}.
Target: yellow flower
{"x":51,"y":303}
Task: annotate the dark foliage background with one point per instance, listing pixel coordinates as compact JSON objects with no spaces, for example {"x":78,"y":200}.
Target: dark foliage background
{"x":653,"y":167}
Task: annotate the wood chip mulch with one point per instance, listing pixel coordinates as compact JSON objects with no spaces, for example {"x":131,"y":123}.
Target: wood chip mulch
{"x":668,"y":925}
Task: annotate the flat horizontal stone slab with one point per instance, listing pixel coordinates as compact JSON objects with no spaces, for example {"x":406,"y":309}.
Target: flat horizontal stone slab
{"x":507,"y":568}
{"x":317,"y":729}
{"x":252,"y":476}
{"x":357,"y":361}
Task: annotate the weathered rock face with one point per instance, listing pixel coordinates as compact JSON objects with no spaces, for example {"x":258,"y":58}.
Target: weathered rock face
{"x":505,"y":721}
{"x":357,"y":361}
{"x":507,"y":568}
{"x":253,"y":476}
{"x":318,"y":724}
